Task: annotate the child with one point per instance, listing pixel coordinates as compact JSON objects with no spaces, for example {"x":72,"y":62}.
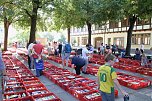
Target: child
{"x":107,"y":77}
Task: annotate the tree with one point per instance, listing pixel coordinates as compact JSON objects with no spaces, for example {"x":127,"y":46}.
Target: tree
{"x":91,"y":12}
{"x":63,"y":15}
{"x":30,"y":8}
{"x":62,"y":38}
{"x":25,"y":12}
{"x":133,"y":10}
{"x":9,"y":14}
{"x":84,"y":10}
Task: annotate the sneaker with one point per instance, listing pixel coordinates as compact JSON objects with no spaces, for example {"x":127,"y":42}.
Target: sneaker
{"x":33,"y":69}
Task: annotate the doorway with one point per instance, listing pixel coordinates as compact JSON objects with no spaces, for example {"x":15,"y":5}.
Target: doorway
{"x":98,"y":41}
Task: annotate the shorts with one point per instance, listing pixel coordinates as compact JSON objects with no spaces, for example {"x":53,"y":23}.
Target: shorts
{"x":107,"y":96}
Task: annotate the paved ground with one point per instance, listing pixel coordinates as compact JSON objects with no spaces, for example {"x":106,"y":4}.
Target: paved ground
{"x":144,"y":94}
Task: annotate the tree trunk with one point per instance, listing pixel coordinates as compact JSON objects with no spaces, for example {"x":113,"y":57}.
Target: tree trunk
{"x":89,"y":32}
{"x":33,"y":20}
{"x":132,"y":21}
{"x":6,"y":26}
{"x":32,"y":30}
{"x":68,"y":35}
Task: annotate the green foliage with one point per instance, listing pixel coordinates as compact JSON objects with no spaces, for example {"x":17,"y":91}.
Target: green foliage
{"x":63,"y":14}
{"x":49,"y":36}
{"x":62,"y":39}
{"x":22,"y":36}
{"x":140,"y":8}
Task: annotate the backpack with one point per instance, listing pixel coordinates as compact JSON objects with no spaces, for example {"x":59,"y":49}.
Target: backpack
{"x":68,"y":48}
{"x":79,"y":51}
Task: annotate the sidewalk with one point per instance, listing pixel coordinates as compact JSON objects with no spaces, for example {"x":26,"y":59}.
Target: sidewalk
{"x":144,"y":94}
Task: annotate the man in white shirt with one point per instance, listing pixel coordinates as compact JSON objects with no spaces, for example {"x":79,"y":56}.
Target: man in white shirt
{"x":30,"y":57}
{"x":142,"y":46}
{"x":85,"y":56}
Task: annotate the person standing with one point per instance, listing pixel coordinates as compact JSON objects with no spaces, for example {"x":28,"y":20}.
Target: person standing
{"x":2,"y":73}
{"x":49,"y":49}
{"x":38,"y":61}
{"x":30,"y":53}
{"x":65,"y":54}
{"x":107,"y":77}
{"x":144,"y":60}
{"x":55,"y":49}
{"x":102,"y":49}
{"x":85,"y":56}
{"x":142,"y":47}
{"x":60,"y":49}
{"x":137,"y":54}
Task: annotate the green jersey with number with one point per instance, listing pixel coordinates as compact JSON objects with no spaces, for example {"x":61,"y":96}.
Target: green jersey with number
{"x":106,"y":75}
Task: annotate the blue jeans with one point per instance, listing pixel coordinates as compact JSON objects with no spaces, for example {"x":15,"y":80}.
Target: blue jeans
{"x":65,"y":56}
{"x":107,"y":96}
{"x":32,"y":62}
{"x":38,"y":72}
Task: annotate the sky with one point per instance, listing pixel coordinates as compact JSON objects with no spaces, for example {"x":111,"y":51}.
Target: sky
{"x":13,"y":31}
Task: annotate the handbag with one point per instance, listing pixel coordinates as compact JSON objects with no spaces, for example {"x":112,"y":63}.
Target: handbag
{"x":39,"y":64}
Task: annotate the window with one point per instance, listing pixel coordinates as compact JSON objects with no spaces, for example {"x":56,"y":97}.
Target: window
{"x":97,"y":27}
{"x":124,"y":23}
{"x":84,"y":40}
{"x":139,"y":21}
{"x":146,"y":21}
{"x":82,"y":29}
{"x":138,"y":39}
{"x":143,"y":21}
{"x":78,"y":41}
{"x":119,"y":41}
{"x":113,"y":24}
{"x":109,"y":41}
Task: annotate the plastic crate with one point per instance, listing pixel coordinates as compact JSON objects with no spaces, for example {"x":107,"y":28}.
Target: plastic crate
{"x":68,"y":85}
{"x":28,"y":98}
{"x":76,"y":86}
{"x":14,"y":90}
{"x":35,"y":87}
{"x":29,"y":78}
{"x":93,"y":96}
{"x":134,"y":85}
{"x":90,"y":84}
{"x":46,"y":97}
{"x":31,"y":83}
{"x":13,"y":85}
{"x":15,"y":96}
{"x":81,"y":92}
{"x":38,"y":92}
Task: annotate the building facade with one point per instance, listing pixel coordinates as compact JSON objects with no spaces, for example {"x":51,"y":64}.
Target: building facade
{"x":116,"y":33}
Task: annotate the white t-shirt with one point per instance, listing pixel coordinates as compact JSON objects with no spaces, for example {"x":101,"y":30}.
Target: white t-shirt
{"x":142,"y":47}
{"x":101,"y":47}
{"x":84,"y":53}
{"x":30,"y":47}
